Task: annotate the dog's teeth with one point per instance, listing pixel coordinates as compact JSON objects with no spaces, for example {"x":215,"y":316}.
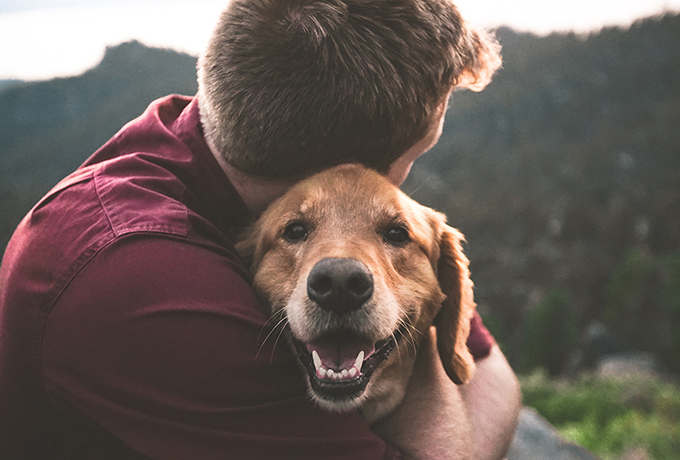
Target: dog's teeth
{"x":359,"y":361}
{"x":344,"y":374}
{"x":316,"y":359}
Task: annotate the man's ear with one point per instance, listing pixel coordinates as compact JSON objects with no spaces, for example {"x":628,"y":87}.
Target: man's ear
{"x":453,"y":320}
{"x":481,"y":59}
{"x":246,"y":244}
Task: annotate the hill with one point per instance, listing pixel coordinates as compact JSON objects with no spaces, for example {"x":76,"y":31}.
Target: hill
{"x":564,"y":174}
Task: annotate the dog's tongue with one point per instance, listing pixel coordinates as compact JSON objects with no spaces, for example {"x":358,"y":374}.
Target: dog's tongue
{"x":338,"y":355}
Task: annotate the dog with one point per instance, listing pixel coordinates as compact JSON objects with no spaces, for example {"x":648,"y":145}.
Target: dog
{"x":357,"y":273}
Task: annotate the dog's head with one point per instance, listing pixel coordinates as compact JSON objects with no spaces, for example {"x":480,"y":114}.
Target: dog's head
{"x":359,"y":272}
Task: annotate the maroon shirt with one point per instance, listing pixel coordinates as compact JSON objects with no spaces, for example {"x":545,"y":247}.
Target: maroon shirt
{"x":128,"y":327}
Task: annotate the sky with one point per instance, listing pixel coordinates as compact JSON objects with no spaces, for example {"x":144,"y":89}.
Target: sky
{"x":42,"y":39}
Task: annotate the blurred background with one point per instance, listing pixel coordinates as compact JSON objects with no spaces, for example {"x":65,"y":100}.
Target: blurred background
{"x":564,"y":174}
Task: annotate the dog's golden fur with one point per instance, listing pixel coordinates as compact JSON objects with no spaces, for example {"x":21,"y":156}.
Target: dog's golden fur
{"x":350,"y":212}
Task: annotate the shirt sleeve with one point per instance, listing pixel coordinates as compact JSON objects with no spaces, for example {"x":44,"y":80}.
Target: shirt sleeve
{"x":480,"y":339}
{"x":162,"y":342}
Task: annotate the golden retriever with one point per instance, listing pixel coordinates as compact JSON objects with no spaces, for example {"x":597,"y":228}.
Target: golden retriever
{"x":357,"y":272}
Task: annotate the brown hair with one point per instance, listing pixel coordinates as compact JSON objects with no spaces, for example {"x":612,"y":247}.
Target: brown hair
{"x":290,"y":86}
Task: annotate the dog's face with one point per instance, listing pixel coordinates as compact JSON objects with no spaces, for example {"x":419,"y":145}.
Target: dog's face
{"x":359,"y":272}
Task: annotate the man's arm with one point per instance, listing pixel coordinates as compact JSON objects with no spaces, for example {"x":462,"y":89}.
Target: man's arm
{"x":440,"y":420}
{"x":432,"y":421}
{"x":493,"y":401}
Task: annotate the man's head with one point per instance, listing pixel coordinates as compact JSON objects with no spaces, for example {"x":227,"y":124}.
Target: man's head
{"x":288,"y":87}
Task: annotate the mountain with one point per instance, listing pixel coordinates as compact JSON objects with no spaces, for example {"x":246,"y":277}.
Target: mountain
{"x":564,"y":174}
{"x":8,"y":82}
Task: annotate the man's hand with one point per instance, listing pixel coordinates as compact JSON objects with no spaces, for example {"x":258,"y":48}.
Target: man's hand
{"x":440,"y":420}
{"x":432,"y":421}
{"x":493,"y":401}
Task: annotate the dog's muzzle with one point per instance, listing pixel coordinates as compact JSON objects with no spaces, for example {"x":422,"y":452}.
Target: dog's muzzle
{"x":340,"y":362}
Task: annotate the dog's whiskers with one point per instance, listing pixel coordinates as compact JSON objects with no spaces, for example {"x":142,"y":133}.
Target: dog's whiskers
{"x":281,"y":324}
{"x":272,"y":318}
{"x":394,"y":337}
{"x":410,"y":194}
{"x":278,"y":337}
{"x":407,"y":330}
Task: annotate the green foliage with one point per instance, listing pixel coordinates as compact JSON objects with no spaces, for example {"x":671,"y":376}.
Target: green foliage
{"x":671,"y":292}
{"x":550,"y":331}
{"x":624,"y":307}
{"x":670,"y":301}
{"x":497,"y":328}
{"x":609,"y":417}
{"x":643,"y":295}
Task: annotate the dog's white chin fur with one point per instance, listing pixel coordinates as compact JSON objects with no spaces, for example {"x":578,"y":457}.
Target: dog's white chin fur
{"x":337,"y":406}
{"x":373,"y":403}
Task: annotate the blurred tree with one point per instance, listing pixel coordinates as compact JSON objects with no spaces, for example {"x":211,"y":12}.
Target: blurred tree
{"x":550,"y":332}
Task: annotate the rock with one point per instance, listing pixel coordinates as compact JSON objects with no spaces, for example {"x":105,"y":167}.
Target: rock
{"x":536,"y":439}
{"x":600,"y":343}
{"x":636,"y":453}
{"x":633,"y":364}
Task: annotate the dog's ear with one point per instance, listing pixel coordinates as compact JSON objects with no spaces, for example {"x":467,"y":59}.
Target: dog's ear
{"x":453,"y":321}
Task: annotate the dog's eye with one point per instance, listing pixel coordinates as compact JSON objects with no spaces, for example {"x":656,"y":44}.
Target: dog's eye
{"x":397,"y":235}
{"x":295,"y":232}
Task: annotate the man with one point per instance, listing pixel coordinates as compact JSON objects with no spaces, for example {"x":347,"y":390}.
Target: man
{"x":128,"y":328}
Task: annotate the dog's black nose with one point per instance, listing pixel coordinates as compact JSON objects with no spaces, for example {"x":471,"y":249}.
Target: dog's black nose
{"x":340,"y":285}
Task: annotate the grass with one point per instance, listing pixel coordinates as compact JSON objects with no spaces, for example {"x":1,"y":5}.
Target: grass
{"x":610,"y":417}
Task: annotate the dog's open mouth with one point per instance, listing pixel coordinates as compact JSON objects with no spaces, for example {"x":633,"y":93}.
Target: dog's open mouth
{"x":341,"y":364}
